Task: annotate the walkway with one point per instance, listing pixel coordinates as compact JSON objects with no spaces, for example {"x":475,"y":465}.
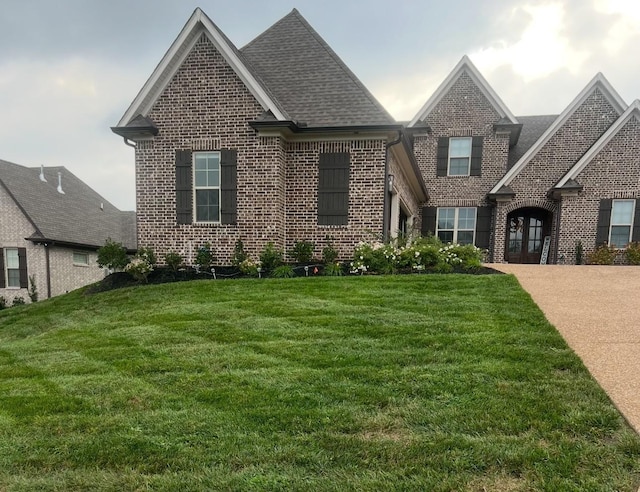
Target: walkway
{"x":597,"y":311}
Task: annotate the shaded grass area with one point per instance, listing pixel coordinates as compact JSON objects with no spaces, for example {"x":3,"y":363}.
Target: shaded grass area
{"x":435,"y":383}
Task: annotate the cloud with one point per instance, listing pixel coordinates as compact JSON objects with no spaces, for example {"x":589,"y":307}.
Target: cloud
{"x":626,"y":29}
{"x":543,"y":47}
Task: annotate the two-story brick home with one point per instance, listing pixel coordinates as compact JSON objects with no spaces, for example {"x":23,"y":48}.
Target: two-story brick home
{"x":528,"y":188}
{"x":275,"y":142}
{"x":51,"y":227}
{"x":279,"y":141}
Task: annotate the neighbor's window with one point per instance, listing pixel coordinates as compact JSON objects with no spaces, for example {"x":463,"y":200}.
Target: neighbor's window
{"x":456,"y":225}
{"x":459,"y":156}
{"x":621,"y":223}
{"x":12,"y":266}
{"x":206,"y":177}
{"x":81,"y":259}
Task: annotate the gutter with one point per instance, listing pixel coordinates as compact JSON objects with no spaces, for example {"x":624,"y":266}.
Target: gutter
{"x":386,"y":207}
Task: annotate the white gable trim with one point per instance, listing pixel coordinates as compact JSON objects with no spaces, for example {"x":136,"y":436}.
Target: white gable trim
{"x":464,"y":65}
{"x":632,"y":111}
{"x":197,"y":24}
{"x":598,"y":82}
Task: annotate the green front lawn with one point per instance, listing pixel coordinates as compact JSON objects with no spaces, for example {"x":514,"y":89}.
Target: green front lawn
{"x":435,"y":383}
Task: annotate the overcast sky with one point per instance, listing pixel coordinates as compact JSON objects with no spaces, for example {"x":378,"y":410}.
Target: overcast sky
{"x":70,"y":68}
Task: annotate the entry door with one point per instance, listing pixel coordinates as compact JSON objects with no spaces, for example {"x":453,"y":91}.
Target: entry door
{"x":527,"y":230}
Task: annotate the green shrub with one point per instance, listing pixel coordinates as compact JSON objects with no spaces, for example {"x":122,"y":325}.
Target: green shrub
{"x":633,"y":253}
{"x":283,"y":271}
{"x":270,"y":257}
{"x":333,"y":270}
{"x":239,"y":255}
{"x":112,"y":255}
{"x":329,"y":254}
{"x":173,"y":260}
{"x":33,"y":289}
{"x":579,"y":252}
{"x":205,"y":257}
{"x":3,"y":303}
{"x":302,"y":251}
{"x":602,"y":255}
{"x":18,"y":301}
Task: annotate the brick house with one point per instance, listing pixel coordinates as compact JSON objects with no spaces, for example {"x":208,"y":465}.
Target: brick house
{"x":279,"y":141}
{"x":51,"y":226}
{"x":275,"y":142}
{"x":511,"y":184}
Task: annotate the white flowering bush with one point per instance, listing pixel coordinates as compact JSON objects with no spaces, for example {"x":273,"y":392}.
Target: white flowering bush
{"x":139,"y":268}
{"x":249,"y":266}
{"x":423,"y":254}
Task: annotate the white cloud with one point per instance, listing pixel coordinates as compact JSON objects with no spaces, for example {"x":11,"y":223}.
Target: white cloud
{"x":626,"y":29}
{"x":543,"y":47}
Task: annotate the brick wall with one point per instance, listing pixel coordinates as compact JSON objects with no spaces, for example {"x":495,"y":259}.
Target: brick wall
{"x":613,"y":173}
{"x":583,"y":128}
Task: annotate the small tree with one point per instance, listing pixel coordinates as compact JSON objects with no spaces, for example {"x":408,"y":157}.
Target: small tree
{"x":112,"y":255}
{"x":270,"y":257}
{"x":302,"y":251}
{"x":33,"y":289}
{"x":205,"y":256}
{"x":173,"y":260}
{"x":238,"y":254}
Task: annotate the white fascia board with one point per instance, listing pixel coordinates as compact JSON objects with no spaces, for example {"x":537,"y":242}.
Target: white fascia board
{"x":632,"y":110}
{"x":463,"y":65}
{"x":173,"y":58}
{"x":600,"y":82}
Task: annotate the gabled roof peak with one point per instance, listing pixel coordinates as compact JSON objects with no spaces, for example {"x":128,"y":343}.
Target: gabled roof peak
{"x":599,"y":81}
{"x":465,"y":65}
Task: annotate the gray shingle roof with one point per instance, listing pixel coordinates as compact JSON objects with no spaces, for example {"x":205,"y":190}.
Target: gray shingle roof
{"x":80,"y":216}
{"x":308,"y":79}
{"x":532,"y":129}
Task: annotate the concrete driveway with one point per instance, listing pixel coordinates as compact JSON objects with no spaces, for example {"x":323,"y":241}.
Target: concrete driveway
{"x":597,"y":311}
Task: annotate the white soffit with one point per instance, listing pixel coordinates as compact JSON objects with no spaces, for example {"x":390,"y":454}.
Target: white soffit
{"x":197,"y":24}
{"x":464,"y":65}
{"x":598,"y":82}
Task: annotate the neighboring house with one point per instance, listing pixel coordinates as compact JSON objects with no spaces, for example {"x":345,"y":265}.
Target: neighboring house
{"x":279,"y":141}
{"x":275,"y":142}
{"x":51,"y":226}
{"x":509,"y":183}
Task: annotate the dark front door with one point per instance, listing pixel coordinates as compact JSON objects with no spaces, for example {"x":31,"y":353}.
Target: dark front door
{"x":526,"y":229}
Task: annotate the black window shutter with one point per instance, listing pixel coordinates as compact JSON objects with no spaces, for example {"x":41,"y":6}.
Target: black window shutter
{"x":2,"y":272}
{"x":635,"y":237}
{"x":429,"y":220}
{"x":22,"y":268}
{"x":476,"y":156}
{"x":184,"y":188}
{"x":604,"y":220}
{"x":228,"y":186}
{"x":442,"y":163}
{"x":333,"y":188}
{"x":483,"y":227}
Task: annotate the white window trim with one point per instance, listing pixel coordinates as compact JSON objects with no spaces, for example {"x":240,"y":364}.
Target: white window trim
{"x":196,"y":188}
{"x":468,"y":173}
{"x":6,"y":269}
{"x":630,"y":224}
{"x":455,"y":223}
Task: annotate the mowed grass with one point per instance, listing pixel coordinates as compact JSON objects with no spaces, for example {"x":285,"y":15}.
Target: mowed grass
{"x":434,"y":383}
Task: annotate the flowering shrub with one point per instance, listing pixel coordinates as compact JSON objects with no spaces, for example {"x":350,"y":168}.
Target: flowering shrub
{"x":139,"y":268}
{"x":249,"y":267}
{"x":423,"y":254}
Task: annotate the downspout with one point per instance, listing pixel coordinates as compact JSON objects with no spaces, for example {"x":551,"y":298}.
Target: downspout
{"x":47,"y":262}
{"x":128,"y":142}
{"x":386,"y":203}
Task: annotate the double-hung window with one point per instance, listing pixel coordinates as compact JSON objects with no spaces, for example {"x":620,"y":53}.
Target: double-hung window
{"x":621,"y":225}
{"x":456,"y":224}
{"x":459,"y":156}
{"x":206,"y":177}
{"x":12,"y":267}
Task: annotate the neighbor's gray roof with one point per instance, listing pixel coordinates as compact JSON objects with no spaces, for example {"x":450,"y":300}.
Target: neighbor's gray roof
{"x":308,"y":79}
{"x":532,"y":129}
{"x":73,"y":218}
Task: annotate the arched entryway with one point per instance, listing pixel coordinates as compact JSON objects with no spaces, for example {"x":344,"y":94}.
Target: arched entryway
{"x":526,"y":230}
